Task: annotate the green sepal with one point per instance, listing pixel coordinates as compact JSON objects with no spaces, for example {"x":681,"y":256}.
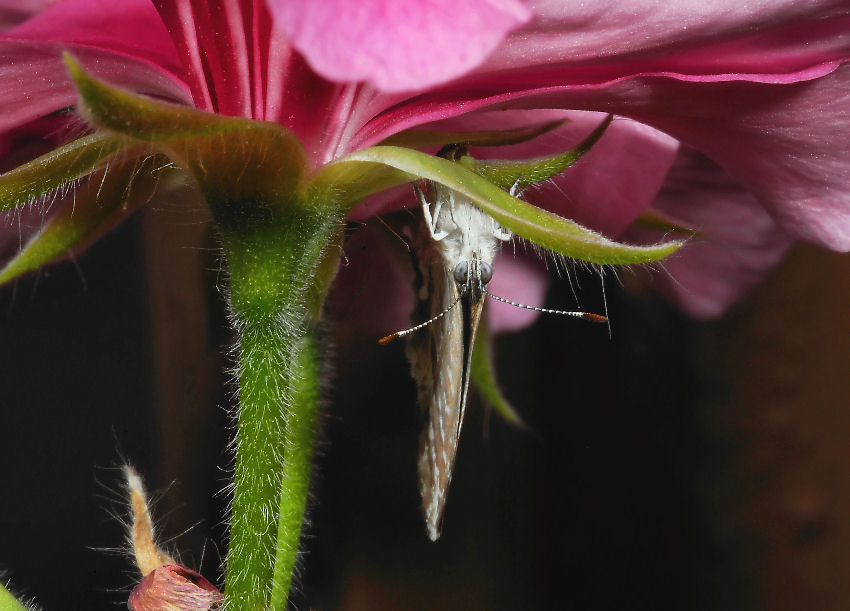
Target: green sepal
{"x":483,"y":374}
{"x":506,"y":174}
{"x":57,"y":168}
{"x":8,"y":602}
{"x":98,"y":205}
{"x":233,"y":159}
{"x":352,"y":183}
{"x":418,"y":138}
{"x":325,"y":273}
{"x":544,"y":228}
{"x":656,"y":222}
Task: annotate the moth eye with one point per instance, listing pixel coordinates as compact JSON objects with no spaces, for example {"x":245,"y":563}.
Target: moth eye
{"x":486,"y":272}
{"x":461,"y":272}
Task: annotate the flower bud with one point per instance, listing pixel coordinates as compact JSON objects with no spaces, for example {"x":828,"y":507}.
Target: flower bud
{"x":174,"y":588}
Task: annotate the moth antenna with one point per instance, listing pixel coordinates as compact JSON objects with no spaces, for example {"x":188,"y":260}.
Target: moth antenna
{"x":388,"y":338}
{"x":583,"y":315}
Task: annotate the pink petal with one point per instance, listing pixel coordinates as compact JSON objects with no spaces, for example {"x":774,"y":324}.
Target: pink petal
{"x":43,"y":85}
{"x":372,"y":292}
{"x":759,"y":37}
{"x":518,"y":277}
{"x":741,"y":242}
{"x":591,"y":44}
{"x":124,"y":43}
{"x":236,"y":64}
{"x":128,"y":27}
{"x":786,"y":145}
{"x":397,"y":46}
{"x":14,"y":12}
{"x":217,"y":48}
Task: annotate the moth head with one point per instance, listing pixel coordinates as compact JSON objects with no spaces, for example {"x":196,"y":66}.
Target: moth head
{"x":465,"y":273}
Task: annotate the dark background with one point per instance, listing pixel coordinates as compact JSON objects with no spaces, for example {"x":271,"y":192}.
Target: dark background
{"x":677,"y":465}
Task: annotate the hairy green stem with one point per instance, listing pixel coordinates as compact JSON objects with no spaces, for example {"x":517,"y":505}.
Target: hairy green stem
{"x":297,"y":460}
{"x":273,"y":255}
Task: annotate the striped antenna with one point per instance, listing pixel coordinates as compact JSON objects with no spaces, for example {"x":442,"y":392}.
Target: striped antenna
{"x":583,"y":315}
{"x":388,"y":338}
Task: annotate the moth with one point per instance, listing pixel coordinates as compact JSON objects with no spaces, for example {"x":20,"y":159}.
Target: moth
{"x":454,"y":249}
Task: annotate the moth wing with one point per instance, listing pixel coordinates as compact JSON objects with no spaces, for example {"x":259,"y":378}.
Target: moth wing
{"x":438,"y":361}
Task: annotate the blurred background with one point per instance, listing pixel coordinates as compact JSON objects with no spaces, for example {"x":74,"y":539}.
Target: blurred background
{"x":676,"y":465}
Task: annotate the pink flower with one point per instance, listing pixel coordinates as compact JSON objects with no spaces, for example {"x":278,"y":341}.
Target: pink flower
{"x":734,"y":123}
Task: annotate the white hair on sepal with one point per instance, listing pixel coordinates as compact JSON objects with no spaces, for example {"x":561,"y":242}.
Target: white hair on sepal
{"x":28,"y":601}
{"x":561,"y":264}
{"x":43,"y":204}
{"x":40,"y":204}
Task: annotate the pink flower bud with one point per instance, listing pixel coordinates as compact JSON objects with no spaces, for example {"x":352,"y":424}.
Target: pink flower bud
{"x":174,"y":588}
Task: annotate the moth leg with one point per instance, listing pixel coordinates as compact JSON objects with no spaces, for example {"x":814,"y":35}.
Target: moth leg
{"x":430,"y":221}
{"x":514,"y":190}
{"x":502,"y":234}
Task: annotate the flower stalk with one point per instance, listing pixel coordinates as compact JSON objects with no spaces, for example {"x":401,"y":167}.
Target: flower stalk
{"x":273,"y":255}
{"x":276,"y":238}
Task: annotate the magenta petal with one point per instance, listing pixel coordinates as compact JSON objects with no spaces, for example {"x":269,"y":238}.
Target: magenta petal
{"x":593,"y":44}
{"x":128,"y":27}
{"x":373,"y":291}
{"x":124,"y":43}
{"x":43,"y":84}
{"x":785,"y":144}
{"x":740,"y":242}
{"x":397,"y":46}
{"x":14,"y":12}
{"x":222,"y":51}
{"x":616,"y":181}
{"x":789,"y":147}
{"x":236,"y":64}
{"x":761,"y":37}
